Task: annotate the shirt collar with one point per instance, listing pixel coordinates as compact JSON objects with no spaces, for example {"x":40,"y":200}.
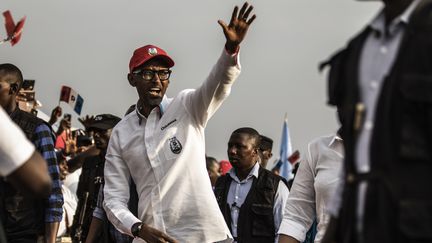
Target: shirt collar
{"x":335,"y":139}
{"x":378,"y":23}
{"x":161,"y":108}
{"x":253,"y":173}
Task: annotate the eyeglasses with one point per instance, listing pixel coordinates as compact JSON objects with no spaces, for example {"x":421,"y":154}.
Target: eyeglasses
{"x":148,"y":74}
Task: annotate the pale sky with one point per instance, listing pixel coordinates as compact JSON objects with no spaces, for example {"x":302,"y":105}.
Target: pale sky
{"x":87,"y":45}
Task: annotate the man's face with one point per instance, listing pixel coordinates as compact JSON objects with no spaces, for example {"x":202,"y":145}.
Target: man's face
{"x":213,"y":172}
{"x":266,"y":154}
{"x":101,"y":138}
{"x":5,"y":93}
{"x":63,"y":167}
{"x":242,"y":151}
{"x":150,"y":81}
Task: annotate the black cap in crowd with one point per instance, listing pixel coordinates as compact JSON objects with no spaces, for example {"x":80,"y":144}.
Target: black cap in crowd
{"x":104,"y":121}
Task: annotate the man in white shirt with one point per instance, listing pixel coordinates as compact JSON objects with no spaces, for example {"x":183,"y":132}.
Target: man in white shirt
{"x":251,"y":198}
{"x":161,"y":146}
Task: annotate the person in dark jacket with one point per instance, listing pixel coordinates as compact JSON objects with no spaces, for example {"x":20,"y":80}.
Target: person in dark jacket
{"x":24,"y":218}
{"x":92,"y":176}
{"x":382,"y":84}
{"x":250,"y":197}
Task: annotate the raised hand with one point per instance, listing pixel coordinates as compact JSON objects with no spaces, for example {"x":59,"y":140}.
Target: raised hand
{"x":55,"y":115}
{"x":239,"y":24}
{"x":86,"y":121}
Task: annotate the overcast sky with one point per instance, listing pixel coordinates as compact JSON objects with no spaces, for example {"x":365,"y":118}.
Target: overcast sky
{"x":87,"y":45}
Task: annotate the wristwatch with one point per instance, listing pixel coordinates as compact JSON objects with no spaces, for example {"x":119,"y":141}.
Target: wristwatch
{"x":135,"y":229}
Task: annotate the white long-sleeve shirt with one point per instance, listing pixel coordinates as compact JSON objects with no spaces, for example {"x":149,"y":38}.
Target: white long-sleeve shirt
{"x":316,"y":180}
{"x":165,"y":155}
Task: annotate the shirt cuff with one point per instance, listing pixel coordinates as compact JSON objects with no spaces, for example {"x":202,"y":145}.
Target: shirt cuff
{"x":99,"y":213}
{"x":293,"y":229}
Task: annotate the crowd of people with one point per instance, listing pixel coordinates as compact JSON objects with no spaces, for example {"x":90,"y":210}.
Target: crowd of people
{"x":146,"y":177}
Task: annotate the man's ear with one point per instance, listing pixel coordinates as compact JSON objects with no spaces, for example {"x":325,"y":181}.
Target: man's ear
{"x":13,"y":88}
{"x":132,"y":82}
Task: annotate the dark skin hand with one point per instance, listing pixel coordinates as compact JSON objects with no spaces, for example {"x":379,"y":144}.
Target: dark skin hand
{"x":55,"y":115}
{"x":86,"y":121}
{"x":234,"y":32}
{"x":152,"y":235}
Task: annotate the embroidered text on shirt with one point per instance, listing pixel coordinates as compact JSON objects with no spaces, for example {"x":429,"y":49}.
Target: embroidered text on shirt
{"x":169,"y":123}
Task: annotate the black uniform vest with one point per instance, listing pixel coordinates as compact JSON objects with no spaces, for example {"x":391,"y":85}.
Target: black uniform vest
{"x":398,"y":205}
{"x":256,"y":219}
{"x":22,"y":215}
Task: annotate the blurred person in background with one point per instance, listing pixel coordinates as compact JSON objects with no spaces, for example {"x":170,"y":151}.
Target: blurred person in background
{"x":26,"y":219}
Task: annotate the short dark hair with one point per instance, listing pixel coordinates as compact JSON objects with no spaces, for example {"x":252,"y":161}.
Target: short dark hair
{"x":10,"y":69}
{"x":210,"y":162}
{"x":251,"y":132}
{"x":266,"y":143}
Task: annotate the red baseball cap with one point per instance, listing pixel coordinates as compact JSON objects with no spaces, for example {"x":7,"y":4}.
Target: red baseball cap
{"x":225,"y":166}
{"x":145,"y":53}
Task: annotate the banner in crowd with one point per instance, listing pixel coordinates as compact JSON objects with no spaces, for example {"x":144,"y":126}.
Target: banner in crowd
{"x":70,"y":96}
{"x":285,"y":152}
{"x":13,"y":30}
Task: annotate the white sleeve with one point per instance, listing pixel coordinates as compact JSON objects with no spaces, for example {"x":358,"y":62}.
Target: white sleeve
{"x":300,"y":207}
{"x":116,"y":188}
{"x":335,"y":203}
{"x":281,"y":199}
{"x":203,"y":102}
{"x":15,"y":149}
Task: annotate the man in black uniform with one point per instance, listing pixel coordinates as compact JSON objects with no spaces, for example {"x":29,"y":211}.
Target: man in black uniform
{"x":24,"y":218}
{"x":250,"y":197}
{"x":92,"y":176}
{"x":382,"y":84}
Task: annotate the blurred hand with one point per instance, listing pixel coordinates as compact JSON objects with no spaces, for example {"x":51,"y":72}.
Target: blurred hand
{"x":55,"y":115}
{"x":70,"y":143}
{"x":86,"y":121}
{"x":152,"y":235}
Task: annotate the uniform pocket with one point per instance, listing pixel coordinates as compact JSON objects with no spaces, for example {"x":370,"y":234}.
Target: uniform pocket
{"x":263,"y":222}
{"x":415,"y":219}
{"x":416,"y":117}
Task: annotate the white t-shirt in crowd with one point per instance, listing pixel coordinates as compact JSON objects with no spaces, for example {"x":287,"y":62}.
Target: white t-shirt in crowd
{"x":15,"y":148}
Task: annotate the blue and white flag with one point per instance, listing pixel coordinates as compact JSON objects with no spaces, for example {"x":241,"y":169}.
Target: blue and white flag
{"x":285,"y":152}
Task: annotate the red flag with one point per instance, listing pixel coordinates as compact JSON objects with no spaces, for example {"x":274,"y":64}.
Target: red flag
{"x":13,"y":31}
{"x":65,"y":93}
{"x":294,"y":157}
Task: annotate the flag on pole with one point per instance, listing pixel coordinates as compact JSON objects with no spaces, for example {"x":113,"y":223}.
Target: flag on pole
{"x":70,"y":96}
{"x":13,"y":30}
{"x":285,"y":152}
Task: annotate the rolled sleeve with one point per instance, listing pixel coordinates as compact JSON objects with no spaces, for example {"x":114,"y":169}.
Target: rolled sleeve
{"x":98,"y":212}
{"x":281,"y":198}
{"x":300,"y":208}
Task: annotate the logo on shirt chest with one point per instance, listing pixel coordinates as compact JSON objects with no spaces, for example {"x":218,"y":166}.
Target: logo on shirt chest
{"x":175,"y":145}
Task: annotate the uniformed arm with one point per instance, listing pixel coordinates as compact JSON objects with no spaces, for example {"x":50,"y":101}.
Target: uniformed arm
{"x":300,"y":209}
{"x":116,"y":188}
{"x":204,"y":101}
{"x":281,"y":198}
